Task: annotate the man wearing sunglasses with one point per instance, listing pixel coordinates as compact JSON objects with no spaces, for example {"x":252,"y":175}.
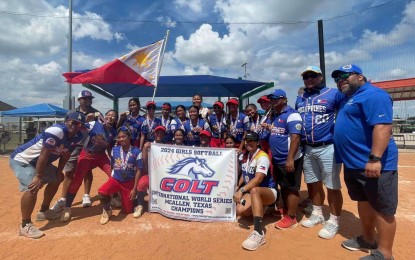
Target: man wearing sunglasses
{"x":362,"y":136}
{"x":32,"y":165}
{"x":317,"y":106}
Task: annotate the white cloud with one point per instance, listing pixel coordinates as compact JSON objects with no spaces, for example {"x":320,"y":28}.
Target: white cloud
{"x":194,"y":5}
{"x":167,"y":21}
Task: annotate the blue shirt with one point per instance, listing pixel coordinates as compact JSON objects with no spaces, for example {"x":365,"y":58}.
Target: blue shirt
{"x":238,"y":125}
{"x":192,"y":132}
{"x":54,"y":137}
{"x":353,"y":131}
{"x":134,"y":124}
{"x":282,"y":126}
{"x":125,"y":170}
{"x":259,"y":163}
{"x":218,"y":125}
{"x":99,"y":138}
{"x":168,"y":137}
{"x":148,"y":128}
{"x":317,"y":108}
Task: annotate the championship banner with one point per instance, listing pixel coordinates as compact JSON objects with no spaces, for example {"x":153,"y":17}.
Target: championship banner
{"x":192,"y":183}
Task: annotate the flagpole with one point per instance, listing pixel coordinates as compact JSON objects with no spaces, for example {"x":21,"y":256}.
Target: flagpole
{"x":161,"y":62}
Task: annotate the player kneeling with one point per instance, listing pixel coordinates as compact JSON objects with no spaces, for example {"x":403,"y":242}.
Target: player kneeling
{"x":126,"y":170}
{"x":256,"y":189}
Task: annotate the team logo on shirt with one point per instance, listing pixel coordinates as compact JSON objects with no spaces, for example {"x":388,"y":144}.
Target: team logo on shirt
{"x":322,"y":101}
{"x":50,"y":141}
{"x":298,"y":126}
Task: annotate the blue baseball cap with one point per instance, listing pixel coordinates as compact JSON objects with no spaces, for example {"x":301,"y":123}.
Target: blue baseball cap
{"x":84,"y":94}
{"x":346,"y":69}
{"x":77,"y":116}
{"x":313,"y":69}
{"x":278,"y":93}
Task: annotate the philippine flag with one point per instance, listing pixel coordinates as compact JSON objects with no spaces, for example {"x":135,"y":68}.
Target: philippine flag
{"x":139,"y":67}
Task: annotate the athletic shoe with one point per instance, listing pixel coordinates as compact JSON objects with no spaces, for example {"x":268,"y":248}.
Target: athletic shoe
{"x":286,"y":223}
{"x":312,"y":221}
{"x":30,"y":231}
{"x":59,"y":206}
{"x":357,"y":243}
{"x":105,"y":216}
{"x":254,"y":241}
{"x":308,"y":209}
{"x":66,"y":214}
{"x":329,"y":230}
{"x":47,"y":215}
{"x":86,"y":201}
{"x":116,"y":202}
{"x":374,"y":255}
{"x":138,"y":211}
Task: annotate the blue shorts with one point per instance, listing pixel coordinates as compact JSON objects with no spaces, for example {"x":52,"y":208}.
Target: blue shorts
{"x":381,"y":193}
{"x":26,"y":172}
{"x":320,"y":165}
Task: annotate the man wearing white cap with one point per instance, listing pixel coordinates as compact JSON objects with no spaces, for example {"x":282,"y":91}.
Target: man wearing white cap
{"x":317,"y":106}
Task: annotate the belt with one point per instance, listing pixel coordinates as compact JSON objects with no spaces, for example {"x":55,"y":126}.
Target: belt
{"x":318,"y":144}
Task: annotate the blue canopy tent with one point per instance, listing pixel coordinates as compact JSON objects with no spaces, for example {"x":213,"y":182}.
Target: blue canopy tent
{"x":183,"y":86}
{"x":40,"y":110}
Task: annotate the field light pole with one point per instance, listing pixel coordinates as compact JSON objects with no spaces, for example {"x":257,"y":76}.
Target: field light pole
{"x":69,"y":88}
{"x":244,"y":65}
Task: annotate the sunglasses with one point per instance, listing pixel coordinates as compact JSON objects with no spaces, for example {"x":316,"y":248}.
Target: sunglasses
{"x":75,"y":123}
{"x":310,"y":76}
{"x":148,"y":108}
{"x":216,"y":107}
{"x":343,"y":76}
{"x":87,"y":98}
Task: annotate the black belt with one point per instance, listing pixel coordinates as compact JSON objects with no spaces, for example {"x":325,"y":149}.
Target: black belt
{"x":318,"y":144}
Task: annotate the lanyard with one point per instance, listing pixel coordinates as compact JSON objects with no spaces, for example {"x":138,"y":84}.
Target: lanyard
{"x":124,"y":162}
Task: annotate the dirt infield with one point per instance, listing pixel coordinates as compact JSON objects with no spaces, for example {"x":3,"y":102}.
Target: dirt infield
{"x":156,"y":237}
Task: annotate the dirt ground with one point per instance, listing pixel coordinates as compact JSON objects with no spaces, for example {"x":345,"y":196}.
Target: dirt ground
{"x":155,"y":237}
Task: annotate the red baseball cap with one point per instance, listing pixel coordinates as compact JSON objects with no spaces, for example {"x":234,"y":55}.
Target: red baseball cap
{"x":151,"y":103}
{"x":219,"y":104}
{"x":205,"y":132}
{"x":263,"y":99}
{"x":233,"y":101}
{"x":160,"y":127}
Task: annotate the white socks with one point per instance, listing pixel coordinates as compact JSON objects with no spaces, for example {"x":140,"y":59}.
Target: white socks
{"x":334,"y":219}
{"x":317,"y":210}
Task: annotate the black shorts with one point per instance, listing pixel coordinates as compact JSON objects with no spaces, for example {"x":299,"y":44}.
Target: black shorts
{"x":290,"y":180}
{"x":381,"y":193}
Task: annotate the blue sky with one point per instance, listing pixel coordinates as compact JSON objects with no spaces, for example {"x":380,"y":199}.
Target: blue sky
{"x":277,"y":39}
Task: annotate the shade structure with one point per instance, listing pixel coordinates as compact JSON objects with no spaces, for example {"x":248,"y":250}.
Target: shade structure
{"x":39,"y":110}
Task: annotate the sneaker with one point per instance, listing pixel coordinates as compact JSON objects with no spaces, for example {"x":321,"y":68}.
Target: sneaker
{"x":374,"y":255}
{"x":329,"y":230}
{"x":357,"y":243}
{"x":308,"y":209}
{"x":59,"y":206}
{"x":30,"y":231}
{"x":66,"y":214}
{"x":254,"y":241}
{"x":115,"y":202}
{"x":86,"y":201}
{"x":47,"y":215}
{"x":138,"y":211}
{"x":312,"y":221}
{"x":286,"y":223}
{"x":105,"y":216}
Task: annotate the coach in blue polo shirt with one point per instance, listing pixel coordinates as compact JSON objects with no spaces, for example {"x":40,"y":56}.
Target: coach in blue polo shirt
{"x":363,"y":142}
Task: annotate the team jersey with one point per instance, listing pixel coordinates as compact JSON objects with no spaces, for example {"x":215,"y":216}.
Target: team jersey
{"x":238,"y":125}
{"x":255,"y":124}
{"x":259,"y":163}
{"x":176,"y":123}
{"x":192,"y":132}
{"x":357,"y":117}
{"x":317,"y":108}
{"x":134,"y":124}
{"x":99,"y":138}
{"x":168,"y":137}
{"x":125,"y":164}
{"x":54,"y":137}
{"x":282,"y":126}
{"x":218,"y":126}
{"x":148,"y":127}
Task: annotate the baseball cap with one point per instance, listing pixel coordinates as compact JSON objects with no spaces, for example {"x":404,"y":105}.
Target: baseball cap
{"x":160,"y":127}
{"x":278,"y":93}
{"x":219,"y":104}
{"x":166,"y":106}
{"x":314,"y":69}
{"x":346,"y":69}
{"x":263,"y":99}
{"x":205,"y":132}
{"x":252,"y":136}
{"x":85,"y":93}
{"x":233,"y":101}
{"x":77,"y":116}
{"x":150,"y":103}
